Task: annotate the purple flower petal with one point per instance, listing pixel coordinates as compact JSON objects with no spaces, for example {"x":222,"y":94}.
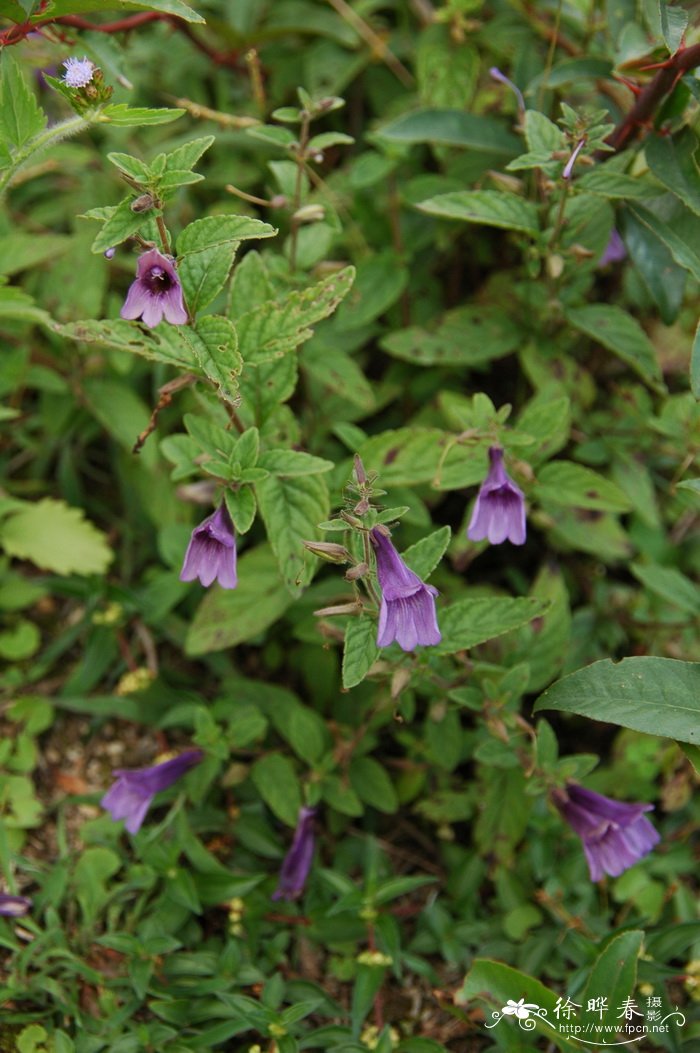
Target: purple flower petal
{"x":499,"y":512}
{"x":407,"y":610}
{"x":14,"y":906}
{"x":615,"y":835}
{"x":131,"y":795}
{"x":211,"y":553}
{"x":297,"y":862}
{"x":156,"y":292}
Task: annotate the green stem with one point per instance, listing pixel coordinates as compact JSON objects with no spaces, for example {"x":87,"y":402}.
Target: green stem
{"x":54,"y":134}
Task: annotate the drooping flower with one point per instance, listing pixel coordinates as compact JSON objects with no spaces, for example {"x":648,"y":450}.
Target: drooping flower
{"x":502,"y":79}
{"x":14,"y":906}
{"x":156,"y":293}
{"x":615,"y":250}
{"x":79,"y":72}
{"x":407,"y":611}
{"x":211,"y":553}
{"x":614,"y":835}
{"x":297,"y":862}
{"x":499,"y":512}
{"x":131,"y":795}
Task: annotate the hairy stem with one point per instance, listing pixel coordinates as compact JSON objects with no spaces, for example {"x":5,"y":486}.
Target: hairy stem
{"x":48,"y":137}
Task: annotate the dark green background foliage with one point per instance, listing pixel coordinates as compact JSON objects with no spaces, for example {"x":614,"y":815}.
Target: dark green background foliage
{"x":407,"y":276}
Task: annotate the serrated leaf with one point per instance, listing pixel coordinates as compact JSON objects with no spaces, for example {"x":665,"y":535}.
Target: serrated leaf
{"x":615,"y":184}
{"x":278,"y":785}
{"x":424,"y":556}
{"x":292,"y":510}
{"x":186,"y":156}
{"x":474,"y":621}
{"x":213,"y":343}
{"x":489,"y":207}
{"x":276,"y":327}
{"x":360,"y":650}
{"x":659,"y":696}
{"x":120,"y":223}
{"x":404,"y":456}
{"x":242,"y":507}
{"x":620,"y":333}
{"x":56,"y":537}
{"x":227,"y":617}
{"x":208,"y":247}
{"x":124,"y":116}
{"x":21,"y":117}
{"x":131,"y":166}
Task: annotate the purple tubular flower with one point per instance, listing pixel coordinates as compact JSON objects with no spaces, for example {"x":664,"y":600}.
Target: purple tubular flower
{"x":502,"y":79}
{"x":14,"y":906}
{"x":297,"y":862}
{"x":156,"y":293}
{"x":499,"y":512}
{"x":407,"y":611}
{"x":615,"y":836}
{"x":569,"y":166}
{"x":211,"y":553}
{"x":79,"y":72}
{"x":615,"y":250}
{"x":131,"y":795}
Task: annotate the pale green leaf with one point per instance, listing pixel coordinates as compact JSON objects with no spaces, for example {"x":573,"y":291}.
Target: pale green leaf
{"x":451,"y":128}
{"x":278,"y":785}
{"x":207,"y":248}
{"x":490,"y":207}
{"x":620,"y":333}
{"x":474,"y":621}
{"x":56,"y":537}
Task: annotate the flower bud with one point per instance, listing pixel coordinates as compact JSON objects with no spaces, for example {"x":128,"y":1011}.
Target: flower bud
{"x":328,"y":550}
{"x":309,"y":214}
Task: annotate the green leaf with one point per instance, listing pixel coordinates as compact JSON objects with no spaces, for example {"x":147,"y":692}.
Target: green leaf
{"x":227,"y":617}
{"x":672,"y":160}
{"x":21,"y":117}
{"x":659,"y":696}
{"x":136,"y":116}
{"x":404,"y":456}
{"x":292,"y":510}
{"x":614,"y":974}
{"x":372,"y":784}
{"x":663,"y":277}
{"x":327,"y":139}
{"x":120,"y":222}
{"x":490,"y":207}
{"x":185,"y":157}
{"x":56,"y":537}
{"x":15,"y":303}
{"x":674,"y":22}
{"x":620,"y":333}
{"x":683,"y":253}
{"x":131,"y":166}
{"x":451,"y":128}
{"x":360,"y":650}
{"x":424,"y":556}
{"x":670,"y":584}
{"x":168,"y":7}
{"x":379,"y":283}
{"x":213,"y":345}
{"x":615,"y":185}
{"x":274,"y":328}
{"x":474,"y":621}
{"x":293,"y":462}
{"x":278,"y":785}
{"x":694,"y":364}
{"x":567,"y":483}
{"x":467,"y":336}
{"x":495,"y":983}
{"x":207,"y":248}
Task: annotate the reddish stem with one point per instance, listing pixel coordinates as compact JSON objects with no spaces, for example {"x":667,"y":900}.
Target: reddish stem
{"x":650,"y":97}
{"x":123,"y":25}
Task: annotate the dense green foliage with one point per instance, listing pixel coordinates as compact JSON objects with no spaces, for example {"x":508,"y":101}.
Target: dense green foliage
{"x":392,"y":263}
